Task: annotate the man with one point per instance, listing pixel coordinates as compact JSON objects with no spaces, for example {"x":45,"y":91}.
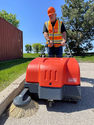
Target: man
{"x":55,"y":34}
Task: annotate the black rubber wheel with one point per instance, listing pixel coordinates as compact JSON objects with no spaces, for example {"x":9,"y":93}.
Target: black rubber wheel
{"x":50,"y":103}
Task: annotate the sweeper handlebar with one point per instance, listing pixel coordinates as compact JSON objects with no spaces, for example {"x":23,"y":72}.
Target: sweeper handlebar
{"x":43,"y":54}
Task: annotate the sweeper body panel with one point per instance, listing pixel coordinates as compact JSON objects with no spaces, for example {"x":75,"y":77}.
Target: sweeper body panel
{"x":53,"y":72}
{"x":54,"y":78}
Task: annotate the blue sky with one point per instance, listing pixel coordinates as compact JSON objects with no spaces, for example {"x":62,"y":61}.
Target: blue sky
{"x":32,"y":15}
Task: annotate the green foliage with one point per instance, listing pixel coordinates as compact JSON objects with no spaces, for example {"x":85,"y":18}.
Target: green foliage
{"x":37,"y":47}
{"x":78,"y":17}
{"x":11,"y":18}
{"x":28,"y":48}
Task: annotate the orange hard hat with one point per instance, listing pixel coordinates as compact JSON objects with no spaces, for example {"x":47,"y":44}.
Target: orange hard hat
{"x":50,"y":11}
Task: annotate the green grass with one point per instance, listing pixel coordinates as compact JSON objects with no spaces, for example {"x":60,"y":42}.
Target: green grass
{"x":11,"y":70}
{"x":89,"y":58}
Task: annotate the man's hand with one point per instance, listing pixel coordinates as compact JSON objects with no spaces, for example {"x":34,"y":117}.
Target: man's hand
{"x":63,"y":43}
{"x":51,"y":43}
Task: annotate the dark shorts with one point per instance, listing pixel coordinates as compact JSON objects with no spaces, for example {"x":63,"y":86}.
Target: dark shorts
{"x":55,"y":51}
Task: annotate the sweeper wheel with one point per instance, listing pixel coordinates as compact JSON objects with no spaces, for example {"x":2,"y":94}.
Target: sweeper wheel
{"x":50,"y":103}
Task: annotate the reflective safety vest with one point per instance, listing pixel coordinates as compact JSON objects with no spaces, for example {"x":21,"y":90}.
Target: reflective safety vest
{"x":54,"y":33}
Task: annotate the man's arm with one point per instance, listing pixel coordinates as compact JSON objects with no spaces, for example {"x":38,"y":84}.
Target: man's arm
{"x":63,"y":31}
{"x":47,"y":38}
{"x":45,"y":32}
{"x":64,"y":39}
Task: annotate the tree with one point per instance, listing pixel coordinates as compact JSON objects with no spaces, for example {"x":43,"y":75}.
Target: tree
{"x":78,"y":17}
{"x":11,"y":18}
{"x":37,"y":47}
{"x":28,"y":48}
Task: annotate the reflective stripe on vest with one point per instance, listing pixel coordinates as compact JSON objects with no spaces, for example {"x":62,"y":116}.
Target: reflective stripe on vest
{"x":55,"y":36}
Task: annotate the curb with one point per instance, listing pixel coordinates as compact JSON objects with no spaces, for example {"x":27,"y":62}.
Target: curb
{"x":8,"y":94}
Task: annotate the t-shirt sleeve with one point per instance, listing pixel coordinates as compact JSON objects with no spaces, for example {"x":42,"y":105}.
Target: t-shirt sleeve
{"x":45,"y":29}
{"x":63,"y":29}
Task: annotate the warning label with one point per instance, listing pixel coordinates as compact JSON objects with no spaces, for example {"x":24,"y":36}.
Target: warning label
{"x":72,"y":79}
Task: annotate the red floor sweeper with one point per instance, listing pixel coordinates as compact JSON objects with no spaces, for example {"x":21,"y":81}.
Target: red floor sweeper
{"x":51,"y":79}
